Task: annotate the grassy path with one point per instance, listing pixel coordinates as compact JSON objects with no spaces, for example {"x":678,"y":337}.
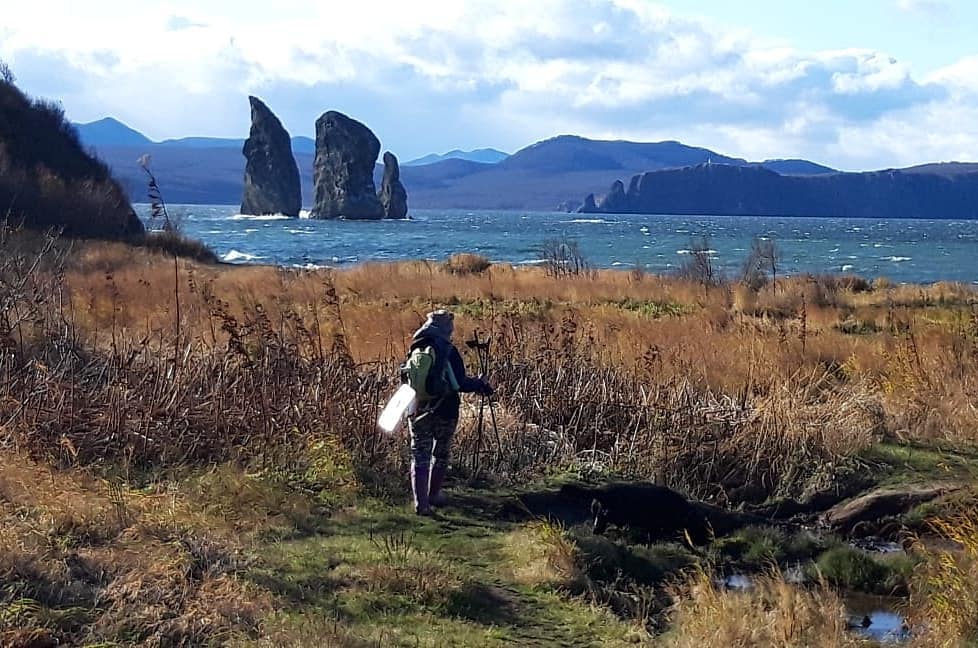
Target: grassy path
{"x":378,"y":575}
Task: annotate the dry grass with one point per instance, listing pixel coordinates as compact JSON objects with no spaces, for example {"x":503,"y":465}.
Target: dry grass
{"x":772,"y":613}
{"x":542,"y":555}
{"x":943,"y":592}
{"x":413,"y":571}
{"x":84,"y":561}
{"x":644,"y":375}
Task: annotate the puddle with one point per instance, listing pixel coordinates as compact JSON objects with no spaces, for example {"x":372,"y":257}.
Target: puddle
{"x":875,"y":617}
{"x":739,"y":582}
{"x":886,"y":623}
{"x":877,"y":545}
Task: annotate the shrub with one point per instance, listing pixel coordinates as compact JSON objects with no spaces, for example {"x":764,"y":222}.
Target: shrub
{"x":176,"y":244}
{"x":48,"y":180}
{"x":563,"y":257}
{"x":855,"y":570}
{"x":466,"y":263}
{"x":698,"y":266}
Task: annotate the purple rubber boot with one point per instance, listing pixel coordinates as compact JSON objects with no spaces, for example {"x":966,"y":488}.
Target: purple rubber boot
{"x":435,"y":495}
{"x":419,"y":485}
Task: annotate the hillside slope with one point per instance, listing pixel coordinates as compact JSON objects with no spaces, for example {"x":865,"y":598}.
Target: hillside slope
{"x":47,"y":179}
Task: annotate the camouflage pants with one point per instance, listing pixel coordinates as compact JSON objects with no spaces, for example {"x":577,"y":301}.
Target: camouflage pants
{"x":431,"y":436}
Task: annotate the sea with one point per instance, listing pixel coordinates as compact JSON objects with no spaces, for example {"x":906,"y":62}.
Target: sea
{"x":901,"y":250}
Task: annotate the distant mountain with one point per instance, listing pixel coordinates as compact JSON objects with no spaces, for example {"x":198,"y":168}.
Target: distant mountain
{"x":944,"y":168}
{"x":109,"y":132}
{"x":302,"y":144}
{"x":551,"y":172}
{"x":570,"y":153}
{"x":554,"y":172}
{"x":796,"y":167}
{"x":485,"y":156}
{"x":203,"y":143}
{"x":299,"y":144}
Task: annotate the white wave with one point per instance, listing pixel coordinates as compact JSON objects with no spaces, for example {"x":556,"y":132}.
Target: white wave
{"x":896,"y":259}
{"x":588,"y":221}
{"x":617,"y":263}
{"x":310,"y":266}
{"x":531,"y":262}
{"x":710,"y":252}
{"x":263,"y":217}
{"x":847,"y":267}
{"x":235,"y":255}
{"x":250,"y":230}
{"x":305,"y":214}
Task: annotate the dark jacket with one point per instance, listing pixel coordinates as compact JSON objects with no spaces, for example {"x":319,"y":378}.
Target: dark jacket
{"x":446,"y":404}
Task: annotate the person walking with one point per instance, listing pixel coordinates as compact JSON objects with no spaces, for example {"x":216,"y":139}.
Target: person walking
{"x":433,"y":424}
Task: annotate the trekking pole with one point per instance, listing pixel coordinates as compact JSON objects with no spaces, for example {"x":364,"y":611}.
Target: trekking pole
{"x":475,"y":344}
{"x":492,"y":407}
{"x":484,"y":367}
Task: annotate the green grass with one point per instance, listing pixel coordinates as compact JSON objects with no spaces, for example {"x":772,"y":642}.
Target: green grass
{"x":386,"y":577}
{"x":759,"y":547}
{"x":858,"y":571}
{"x":653,"y":309}
{"x":893,"y":463}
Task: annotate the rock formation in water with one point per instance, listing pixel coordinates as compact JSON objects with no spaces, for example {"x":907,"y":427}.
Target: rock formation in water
{"x":589,"y":206}
{"x":346,"y":152}
{"x":271,"y":180}
{"x":615,"y":200}
{"x":392,"y":196}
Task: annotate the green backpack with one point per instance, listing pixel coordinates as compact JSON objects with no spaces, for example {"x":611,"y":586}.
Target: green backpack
{"x":417,"y":368}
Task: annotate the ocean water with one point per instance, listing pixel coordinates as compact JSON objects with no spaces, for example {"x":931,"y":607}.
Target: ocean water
{"x":902,"y":250}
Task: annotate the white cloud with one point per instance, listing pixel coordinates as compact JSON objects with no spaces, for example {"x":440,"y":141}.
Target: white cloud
{"x":929,"y":7}
{"x":436,"y":75}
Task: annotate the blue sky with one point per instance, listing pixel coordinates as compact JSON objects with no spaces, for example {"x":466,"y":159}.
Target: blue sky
{"x":857,"y":85}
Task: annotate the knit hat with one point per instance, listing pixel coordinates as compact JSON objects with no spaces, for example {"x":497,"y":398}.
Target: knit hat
{"x":443,"y":319}
{"x":440,"y":323}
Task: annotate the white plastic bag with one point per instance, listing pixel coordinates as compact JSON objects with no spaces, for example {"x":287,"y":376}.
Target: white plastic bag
{"x":400,"y":406}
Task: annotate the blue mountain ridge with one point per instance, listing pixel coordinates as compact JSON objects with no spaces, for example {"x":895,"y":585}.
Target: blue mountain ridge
{"x":483,"y":155}
{"x":555,"y":173}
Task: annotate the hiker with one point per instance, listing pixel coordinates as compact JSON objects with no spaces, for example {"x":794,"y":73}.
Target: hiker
{"x":436,"y":417}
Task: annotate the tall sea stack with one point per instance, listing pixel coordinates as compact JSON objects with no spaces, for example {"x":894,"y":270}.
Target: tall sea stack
{"x":393,"y":196}
{"x":343,"y":172}
{"x":271,"y":182}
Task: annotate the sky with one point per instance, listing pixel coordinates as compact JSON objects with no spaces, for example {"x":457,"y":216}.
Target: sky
{"x":855,"y":84}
